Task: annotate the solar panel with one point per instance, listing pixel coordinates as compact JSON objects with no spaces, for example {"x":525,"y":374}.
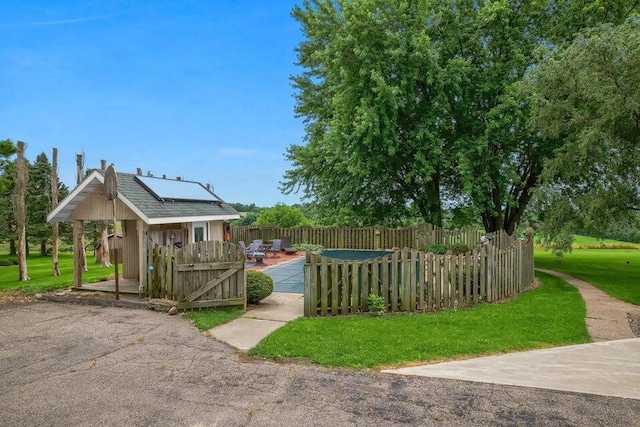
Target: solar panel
{"x":171,"y":189}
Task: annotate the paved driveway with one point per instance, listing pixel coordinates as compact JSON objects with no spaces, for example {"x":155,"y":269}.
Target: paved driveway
{"x":70,"y":365}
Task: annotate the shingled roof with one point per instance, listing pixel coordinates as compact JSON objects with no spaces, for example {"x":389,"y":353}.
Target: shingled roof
{"x":146,"y":204}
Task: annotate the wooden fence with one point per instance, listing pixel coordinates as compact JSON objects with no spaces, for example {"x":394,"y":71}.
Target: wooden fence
{"x":203,"y":274}
{"x":411,"y":280}
{"x":419,"y":237}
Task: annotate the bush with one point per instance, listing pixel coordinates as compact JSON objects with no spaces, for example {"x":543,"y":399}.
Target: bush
{"x":459,"y":248}
{"x":14,"y":261}
{"x":5,"y":262}
{"x":259,"y":286}
{"x":437,"y":248}
{"x":308,"y":247}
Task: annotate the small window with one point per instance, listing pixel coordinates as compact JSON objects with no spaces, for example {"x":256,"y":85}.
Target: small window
{"x":198,"y":234}
{"x":200,"y":231}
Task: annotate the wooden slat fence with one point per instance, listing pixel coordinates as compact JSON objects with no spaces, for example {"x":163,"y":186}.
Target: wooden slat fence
{"x":410,"y":280}
{"x":202,"y":274}
{"x":370,"y":237}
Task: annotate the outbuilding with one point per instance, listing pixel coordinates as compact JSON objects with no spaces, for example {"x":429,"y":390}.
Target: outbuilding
{"x":159,"y":210}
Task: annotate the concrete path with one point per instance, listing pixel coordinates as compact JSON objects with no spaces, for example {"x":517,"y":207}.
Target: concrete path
{"x":610,"y":366}
{"x":606,"y":316}
{"x":273,"y":312}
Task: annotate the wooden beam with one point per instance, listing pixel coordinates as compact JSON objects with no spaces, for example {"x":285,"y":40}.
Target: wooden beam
{"x":210,"y":285}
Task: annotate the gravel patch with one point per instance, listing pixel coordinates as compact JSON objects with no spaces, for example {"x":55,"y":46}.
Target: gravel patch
{"x":634,"y":323}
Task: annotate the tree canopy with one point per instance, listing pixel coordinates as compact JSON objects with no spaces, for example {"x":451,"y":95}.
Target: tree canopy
{"x":411,"y":107}
{"x":282,"y":216}
{"x":588,"y":96}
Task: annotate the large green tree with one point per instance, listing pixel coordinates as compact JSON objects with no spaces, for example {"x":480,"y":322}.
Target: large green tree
{"x":282,"y":216}
{"x":588,"y":96}
{"x":39,"y":202}
{"x":7,"y":171}
{"x":410,"y":103}
{"x":372,"y":101}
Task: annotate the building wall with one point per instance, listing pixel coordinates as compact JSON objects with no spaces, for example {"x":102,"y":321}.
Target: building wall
{"x":216,"y":230}
{"x":96,"y":208}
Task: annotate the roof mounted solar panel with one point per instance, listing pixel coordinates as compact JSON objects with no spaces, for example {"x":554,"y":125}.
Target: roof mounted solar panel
{"x":170,"y":189}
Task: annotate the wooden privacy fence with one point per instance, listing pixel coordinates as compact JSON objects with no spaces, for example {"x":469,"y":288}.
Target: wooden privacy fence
{"x":419,"y":237}
{"x":411,"y":280}
{"x":202,"y":274}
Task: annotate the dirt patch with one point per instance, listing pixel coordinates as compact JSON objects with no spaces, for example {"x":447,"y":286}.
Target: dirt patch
{"x":13,"y":297}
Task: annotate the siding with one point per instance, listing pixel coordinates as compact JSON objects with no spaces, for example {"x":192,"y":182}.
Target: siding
{"x":96,"y":208}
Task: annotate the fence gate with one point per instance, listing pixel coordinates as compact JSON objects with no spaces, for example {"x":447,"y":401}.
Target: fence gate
{"x":198,"y":275}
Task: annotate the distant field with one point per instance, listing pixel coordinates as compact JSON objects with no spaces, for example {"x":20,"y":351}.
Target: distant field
{"x":586,"y":242}
{"x":607,"y":269}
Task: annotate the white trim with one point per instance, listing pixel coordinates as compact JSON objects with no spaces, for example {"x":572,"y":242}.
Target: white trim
{"x":205,"y":230}
{"x":74,"y":193}
{"x":167,"y":220}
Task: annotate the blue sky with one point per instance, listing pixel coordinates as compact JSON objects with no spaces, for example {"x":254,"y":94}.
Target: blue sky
{"x":197,"y":89}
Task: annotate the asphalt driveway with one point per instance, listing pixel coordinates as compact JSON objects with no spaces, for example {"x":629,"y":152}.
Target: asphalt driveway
{"x":71,"y":365}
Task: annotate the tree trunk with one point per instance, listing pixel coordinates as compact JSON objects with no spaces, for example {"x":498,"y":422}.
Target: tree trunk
{"x":43,"y":248}
{"x":429,"y":202}
{"x":20,"y":190}
{"x":12,"y":247}
{"x":105,"y":258}
{"x":54,"y":203}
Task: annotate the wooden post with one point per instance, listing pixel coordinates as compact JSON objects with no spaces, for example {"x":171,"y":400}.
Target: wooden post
{"x":111,"y":193}
{"x":82,"y":253}
{"x":105,"y":257}
{"x":54,"y":203}
{"x":78,"y":231}
{"x":20,"y":208}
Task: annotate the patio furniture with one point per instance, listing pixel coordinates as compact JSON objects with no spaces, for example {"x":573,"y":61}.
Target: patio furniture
{"x":253,"y":251}
{"x":275,"y":247}
{"x":286,"y":245}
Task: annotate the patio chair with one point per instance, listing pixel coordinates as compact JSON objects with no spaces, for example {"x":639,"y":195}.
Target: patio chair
{"x":275,"y":247}
{"x":286,"y":245}
{"x":253,"y":251}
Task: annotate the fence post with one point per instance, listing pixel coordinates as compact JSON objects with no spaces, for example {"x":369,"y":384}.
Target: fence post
{"x":490,"y":267}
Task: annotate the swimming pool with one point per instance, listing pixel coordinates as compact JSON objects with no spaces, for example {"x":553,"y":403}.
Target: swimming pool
{"x":352,"y":254}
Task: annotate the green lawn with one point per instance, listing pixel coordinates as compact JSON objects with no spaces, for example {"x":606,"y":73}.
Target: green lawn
{"x":551,"y":315}
{"x":207,"y":319}
{"x":606,"y":269}
{"x":39,"y":271}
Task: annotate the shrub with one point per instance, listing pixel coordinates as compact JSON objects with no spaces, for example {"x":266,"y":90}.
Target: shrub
{"x":5,"y":262}
{"x":259,"y":286}
{"x":14,"y":261}
{"x":437,"y":248}
{"x":376,"y":304}
{"x":308,"y":247}
{"x":459,"y":248}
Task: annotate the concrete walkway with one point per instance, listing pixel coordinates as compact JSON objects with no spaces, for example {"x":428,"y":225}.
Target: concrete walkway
{"x":606,"y":316}
{"x":273,"y":312}
{"x":610,"y":366}
{"x":283,"y":305}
